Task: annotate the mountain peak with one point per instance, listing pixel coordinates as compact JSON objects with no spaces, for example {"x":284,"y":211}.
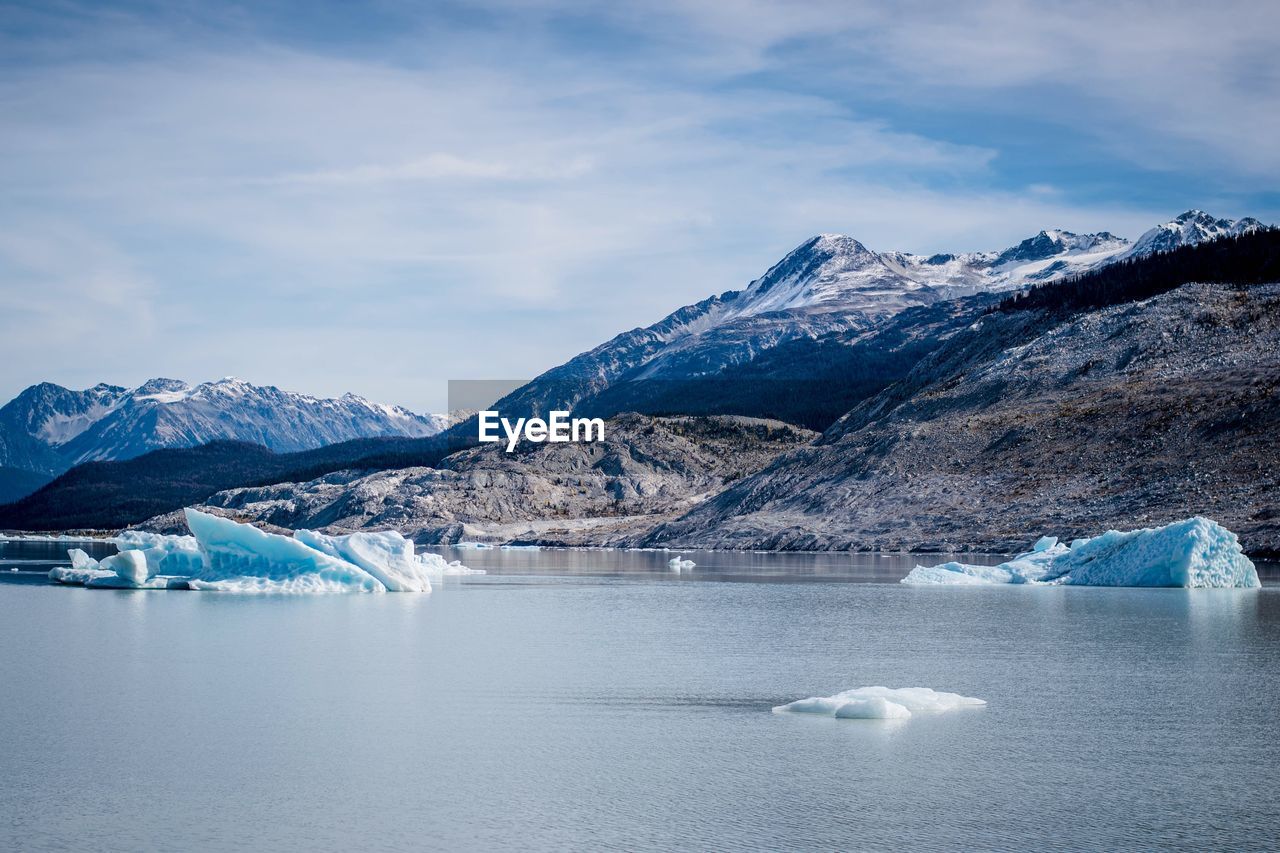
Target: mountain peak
{"x":161,"y":385}
{"x":1195,"y":214}
{"x":1055,"y":241}
{"x":829,"y":246}
{"x":828,"y":270}
{"x":1188,"y":229}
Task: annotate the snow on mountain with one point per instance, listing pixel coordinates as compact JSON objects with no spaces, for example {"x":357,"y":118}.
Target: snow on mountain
{"x":834,"y":283}
{"x":838,"y":271}
{"x":1192,"y":227}
{"x":835,"y":270}
{"x":49,"y":428}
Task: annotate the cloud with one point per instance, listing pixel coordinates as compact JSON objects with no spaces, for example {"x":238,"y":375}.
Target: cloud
{"x":439,"y":166}
{"x":493,"y":193}
{"x":1160,"y":83}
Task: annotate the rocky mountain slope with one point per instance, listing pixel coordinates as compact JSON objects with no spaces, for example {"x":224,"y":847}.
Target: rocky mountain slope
{"x":646,"y":469}
{"x":1032,"y":422}
{"x":47,"y":428}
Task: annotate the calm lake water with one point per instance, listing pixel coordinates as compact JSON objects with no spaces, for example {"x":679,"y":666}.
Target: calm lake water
{"x":595,"y":700}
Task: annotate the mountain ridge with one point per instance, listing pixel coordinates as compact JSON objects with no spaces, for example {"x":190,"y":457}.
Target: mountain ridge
{"x":833,"y":283}
{"x":47,"y":428}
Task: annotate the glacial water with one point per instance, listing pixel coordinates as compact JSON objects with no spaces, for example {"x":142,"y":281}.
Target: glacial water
{"x":597,"y":700}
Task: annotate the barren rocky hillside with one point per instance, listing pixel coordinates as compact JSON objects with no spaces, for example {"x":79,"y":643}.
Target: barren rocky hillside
{"x":1029,"y":423}
{"x":647,"y":469}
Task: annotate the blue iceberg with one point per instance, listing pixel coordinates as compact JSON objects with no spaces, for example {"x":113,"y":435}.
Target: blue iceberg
{"x":227,"y":556}
{"x":1194,"y":553}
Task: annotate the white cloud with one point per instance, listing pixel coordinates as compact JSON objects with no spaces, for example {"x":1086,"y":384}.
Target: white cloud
{"x":500,"y":201}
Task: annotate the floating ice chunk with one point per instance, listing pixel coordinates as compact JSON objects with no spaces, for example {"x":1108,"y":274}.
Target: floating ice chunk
{"x":1193,"y":553}
{"x":165,"y":555}
{"x":82,"y":570}
{"x":958,"y":573}
{"x":1044,"y":543}
{"x":473,"y":546}
{"x":880,"y":703}
{"x":125,"y":570}
{"x":521,"y":547}
{"x":242,"y":558}
{"x":875,"y":708}
{"x":1030,"y":567}
{"x":680,"y":562}
{"x":227,"y":556}
{"x":129,"y":566}
{"x":387,"y":556}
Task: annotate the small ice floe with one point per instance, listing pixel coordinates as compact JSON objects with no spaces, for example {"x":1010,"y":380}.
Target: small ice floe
{"x":226,"y":556}
{"x":880,"y":703}
{"x":1194,"y":553}
{"x":680,"y":563}
{"x":473,"y":546}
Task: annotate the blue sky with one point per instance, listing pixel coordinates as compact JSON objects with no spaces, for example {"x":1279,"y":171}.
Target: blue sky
{"x":378,"y":198}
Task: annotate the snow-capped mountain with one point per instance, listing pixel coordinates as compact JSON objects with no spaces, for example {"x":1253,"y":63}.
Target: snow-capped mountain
{"x":1192,"y":227}
{"x":835,"y":270}
{"x":48,"y":428}
{"x":834,"y":283}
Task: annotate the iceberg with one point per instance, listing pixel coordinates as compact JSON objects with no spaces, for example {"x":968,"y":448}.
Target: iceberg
{"x":387,"y":556}
{"x":227,"y":556}
{"x":82,"y":570}
{"x":1195,"y":553}
{"x":165,"y":555}
{"x":880,"y":703}
{"x":678,"y":563}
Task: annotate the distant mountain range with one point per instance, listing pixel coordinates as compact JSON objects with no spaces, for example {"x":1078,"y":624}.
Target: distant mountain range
{"x":47,"y":428}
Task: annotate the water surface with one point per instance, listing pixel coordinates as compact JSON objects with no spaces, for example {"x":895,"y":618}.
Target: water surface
{"x":597,"y":700}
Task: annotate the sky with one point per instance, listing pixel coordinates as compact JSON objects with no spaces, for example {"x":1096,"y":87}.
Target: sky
{"x":381,"y":197}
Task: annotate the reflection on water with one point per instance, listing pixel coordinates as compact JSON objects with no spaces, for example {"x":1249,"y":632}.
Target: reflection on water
{"x":710,"y":565}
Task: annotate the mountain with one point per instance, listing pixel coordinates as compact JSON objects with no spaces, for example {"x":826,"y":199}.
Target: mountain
{"x":16,"y":483}
{"x":47,"y":428}
{"x":43,"y":417}
{"x":1190,"y":229}
{"x":1141,"y":393}
{"x":830,"y":285}
{"x":810,"y":362}
{"x":645,"y":469}
{"x":111,"y":495}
